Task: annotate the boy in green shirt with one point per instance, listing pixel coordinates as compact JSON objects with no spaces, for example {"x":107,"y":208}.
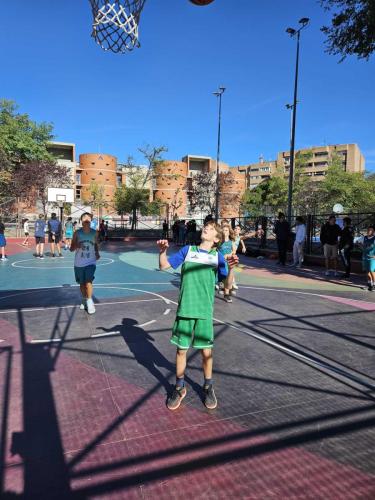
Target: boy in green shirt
{"x":194,"y":319}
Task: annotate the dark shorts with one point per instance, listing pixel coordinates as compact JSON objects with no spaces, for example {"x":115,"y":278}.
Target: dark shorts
{"x":39,"y":239}
{"x":56,"y":240}
{"x":84,"y":274}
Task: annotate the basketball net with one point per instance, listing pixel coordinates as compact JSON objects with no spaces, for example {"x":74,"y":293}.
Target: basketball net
{"x":115,"y":24}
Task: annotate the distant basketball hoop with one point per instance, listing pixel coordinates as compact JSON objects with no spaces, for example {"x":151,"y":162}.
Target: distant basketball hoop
{"x":60,"y":195}
{"x":115,"y":24}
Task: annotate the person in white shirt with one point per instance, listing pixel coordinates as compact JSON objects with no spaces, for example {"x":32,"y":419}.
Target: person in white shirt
{"x":26,"y":232}
{"x":299,"y":242}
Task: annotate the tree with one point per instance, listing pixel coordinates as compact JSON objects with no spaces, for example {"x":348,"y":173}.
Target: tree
{"x":97,"y":198}
{"x":21,"y":139}
{"x":203,"y":191}
{"x":31,"y":181}
{"x":133,"y":200}
{"x":352,"y":190}
{"x":352,"y":30}
{"x":154,"y":157}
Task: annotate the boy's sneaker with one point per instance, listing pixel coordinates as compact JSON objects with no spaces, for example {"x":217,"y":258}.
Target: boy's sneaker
{"x":90,"y":306}
{"x":233,"y":292}
{"x":4,"y":258}
{"x":327,"y":273}
{"x":234,"y":286}
{"x":83,"y":305}
{"x":221,"y":292}
{"x":228,"y":298}
{"x":53,"y":255}
{"x":210,"y":400}
{"x":370,"y":288}
{"x":335,"y":274}
{"x":176,"y":398}
{"x":41,"y":256}
{"x":61,"y":255}
{"x":217,"y":287}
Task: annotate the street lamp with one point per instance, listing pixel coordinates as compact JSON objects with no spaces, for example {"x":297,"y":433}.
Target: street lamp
{"x":293,"y":32}
{"x":219,"y":93}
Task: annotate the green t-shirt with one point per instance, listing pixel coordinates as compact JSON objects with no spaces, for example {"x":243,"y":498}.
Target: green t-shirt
{"x":197,"y":290}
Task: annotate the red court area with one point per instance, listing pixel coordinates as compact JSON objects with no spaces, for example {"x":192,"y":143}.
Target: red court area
{"x":101,"y":436}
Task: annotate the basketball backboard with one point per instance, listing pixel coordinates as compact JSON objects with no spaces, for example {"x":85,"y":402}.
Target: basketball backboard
{"x":60,"y":195}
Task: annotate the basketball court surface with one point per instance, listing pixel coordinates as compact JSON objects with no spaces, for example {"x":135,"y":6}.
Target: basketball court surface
{"x":83,"y":397}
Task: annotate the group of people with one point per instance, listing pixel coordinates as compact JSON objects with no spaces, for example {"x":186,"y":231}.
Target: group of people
{"x":56,"y":234}
{"x":336,"y":241}
{"x":183,"y":232}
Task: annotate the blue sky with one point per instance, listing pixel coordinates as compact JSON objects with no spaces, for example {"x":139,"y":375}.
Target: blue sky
{"x":162,"y":92}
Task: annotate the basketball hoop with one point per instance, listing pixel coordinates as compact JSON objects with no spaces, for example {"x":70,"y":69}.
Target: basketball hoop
{"x":115,"y":24}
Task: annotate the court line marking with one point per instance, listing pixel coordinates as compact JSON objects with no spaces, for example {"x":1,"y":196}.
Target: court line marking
{"x":148,"y":322}
{"x":105,"y":334}
{"x":74,"y":285}
{"x":99,"y":264}
{"x":321,"y":295}
{"x":76,"y":305}
{"x":167,"y":311}
{"x":309,"y":360}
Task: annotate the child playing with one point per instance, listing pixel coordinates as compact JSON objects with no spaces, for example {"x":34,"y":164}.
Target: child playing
{"x":194,"y":319}
{"x":68,"y":233}
{"x":40,"y":228}
{"x":228,"y":249}
{"x":26,"y":232}
{"x":3,"y":241}
{"x":368,"y":257}
{"x":240,"y":247}
{"x":85,"y":245}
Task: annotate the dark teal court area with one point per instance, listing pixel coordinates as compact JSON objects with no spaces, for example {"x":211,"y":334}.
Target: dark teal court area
{"x":83,"y":397}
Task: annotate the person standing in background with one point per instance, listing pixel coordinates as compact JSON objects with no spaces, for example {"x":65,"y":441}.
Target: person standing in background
{"x":299,"y":242}
{"x":329,"y":236}
{"x":26,"y":231}
{"x":54,"y":234}
{"x":346,"y":245}
{"x":282,"y":232}
{"x":40,"y":238}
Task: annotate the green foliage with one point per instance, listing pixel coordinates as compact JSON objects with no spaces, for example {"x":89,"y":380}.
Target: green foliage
{"x":352,"y":31}
{"x":97,"y":198}
{"x":353,"y":190}
{"x":133,"y":200}
{"x":21,"y":139}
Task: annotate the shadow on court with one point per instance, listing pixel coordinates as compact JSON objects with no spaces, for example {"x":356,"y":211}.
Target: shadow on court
{"x":48,"y":473}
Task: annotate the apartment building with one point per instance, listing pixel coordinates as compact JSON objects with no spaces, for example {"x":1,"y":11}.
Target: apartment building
{"x":351,"y":157}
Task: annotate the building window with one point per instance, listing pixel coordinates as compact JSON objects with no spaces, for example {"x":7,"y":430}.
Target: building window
{"x":321,"y":153}
{"x":78,"y":193}
{"x":320,"y":173}
{"x":78,"y":178}
{"x":119,"y":180}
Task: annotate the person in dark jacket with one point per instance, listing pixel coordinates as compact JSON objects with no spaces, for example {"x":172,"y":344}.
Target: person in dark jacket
{"x":346,"y":245}
{"x":329,"y":236}
{"x":282,"y":232}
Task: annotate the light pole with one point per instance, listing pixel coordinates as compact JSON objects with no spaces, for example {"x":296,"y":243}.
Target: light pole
{"x":292,"y":32}
{"x":219,"y":93}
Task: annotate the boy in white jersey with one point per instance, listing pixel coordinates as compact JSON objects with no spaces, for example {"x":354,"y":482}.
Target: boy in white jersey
{"x":85,"y":245}
{"x":194,"y":319}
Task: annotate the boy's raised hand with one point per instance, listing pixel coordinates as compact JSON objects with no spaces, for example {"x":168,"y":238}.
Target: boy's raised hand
{"x":232,"y":261}
{"x":163,"y":245}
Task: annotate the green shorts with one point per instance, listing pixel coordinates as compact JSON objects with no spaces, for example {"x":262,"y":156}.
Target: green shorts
{"x":196,"y":332}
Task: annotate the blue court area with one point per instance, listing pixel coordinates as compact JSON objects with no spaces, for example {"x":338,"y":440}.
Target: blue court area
{"x":120,"y":267}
